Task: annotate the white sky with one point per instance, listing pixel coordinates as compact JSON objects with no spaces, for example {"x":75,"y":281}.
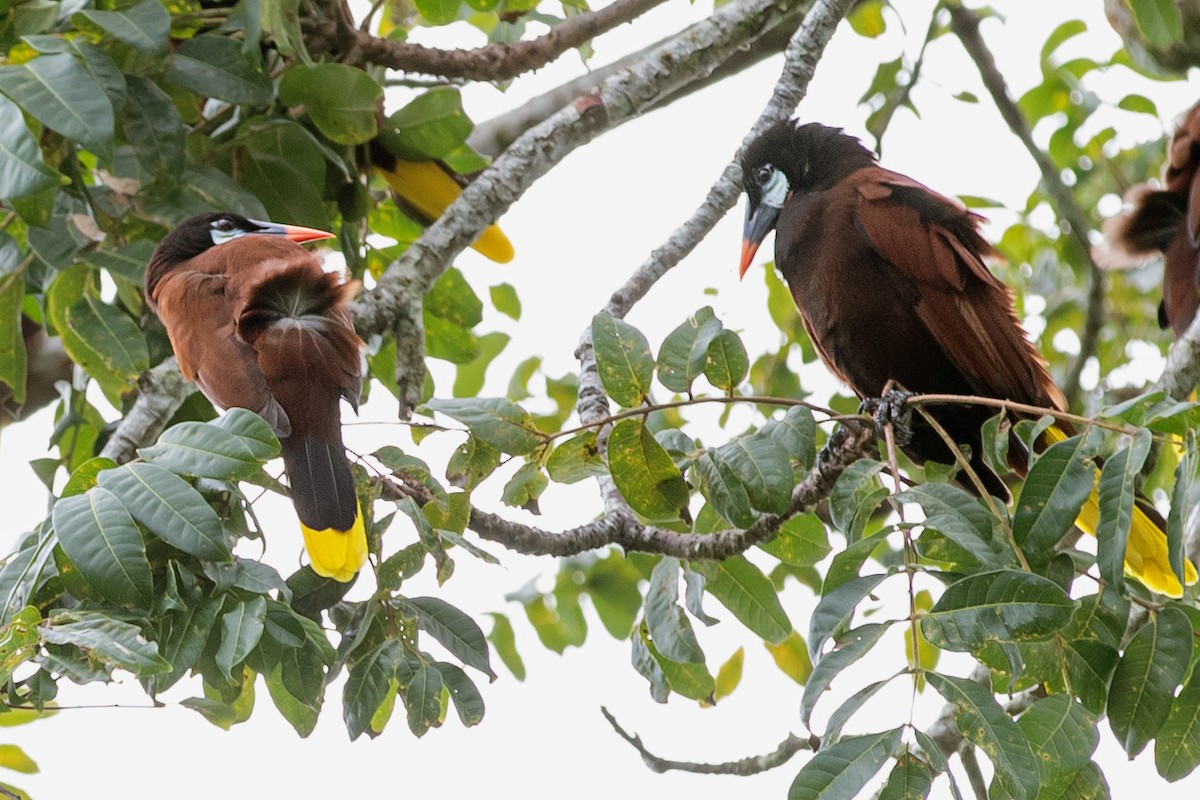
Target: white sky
{"x":578,"y":233}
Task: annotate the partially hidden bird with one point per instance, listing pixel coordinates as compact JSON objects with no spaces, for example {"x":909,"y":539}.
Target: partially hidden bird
{"x":890,"y":281}
{"x":425,"y":188}
{"x":257,"y":323}
{"x":1165,"y":220}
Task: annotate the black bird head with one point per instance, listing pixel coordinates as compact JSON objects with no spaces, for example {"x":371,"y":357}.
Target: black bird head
{"x":197,"y":234}
{"x":788,"y":158}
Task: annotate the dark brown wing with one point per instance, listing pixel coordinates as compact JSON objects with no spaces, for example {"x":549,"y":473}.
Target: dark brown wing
{"x":967,"y":310}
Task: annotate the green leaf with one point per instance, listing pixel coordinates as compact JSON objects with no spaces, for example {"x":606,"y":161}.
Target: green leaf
{"x":1062,"y":733}
{"x":683,"y":353}
{"x":282,"y":165}
{"x":866,"y":19}
{"x":281,"y":19}
{"x":1057,"y":486}
{"x":102,"y":541}
{"x":844,"y":712}
{"x":13,"y":358}
{"x":453,"y":630}
{"x":170,"y":508}
{"x":107,"y":640}
{"x":960,"y":517}
{"x":985,"y":724}
{"x":910,"y":779}
{"x":367,"y":686}
{"x":241,"y":629}
{"x":1090,"y":666}
{"x":525,"y":487}
{"x":471,"y":462}
{"x":339,"y":99}
{"x":688,"y":679}
{"x":1118,"y":498}
{"x":1143,"y":686}
{"x":1177,"y":746}
{"x":144,"y":26}
{"x":1065,"y":31}
{"x":181,"y":640}
{"x":761,"y":466}
{"x":849,"y":648}
{"x":791,"y":656}
{"x":796,"y":432}
{"x":1182,"y":499}
{"x":841,"y":771}
{"x":801,"y":541}
{"x":1159,"y":21}
{"x":855,"y":497}
{"x":14,"y":758}
{"x":576,"y":459}
{"x":22,"y":170}
{"x":748,"y":594}
{"x":726,"y":363}
{"x":205,"y":450}
{"x":61,"y":94}
{"x":432,"y":126}
{"x":439,"y":12}
{"x":720,"y":486}
{"x":469,"y":379}
{"x":114,"y":342}
{"x":836,"y":608}
{"x":730,"y":674}
{"x":669,"y":628}
{"x":644,"y":473}
{"x":505,"y":300}
{"x":223,"y":715}
{"x":999,"y":606}
{"x":623,"y":360}
{"x":504,"y":640}
{"x":213,"y":66}
{"x":153,"y":127}
{"x":495,"y":420}
{"x":424,"y":699}
{"x":468,"y":702}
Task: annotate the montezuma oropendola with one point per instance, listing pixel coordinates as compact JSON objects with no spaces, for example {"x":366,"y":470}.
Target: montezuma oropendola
{"x":257,"y":323}
{"x":1166,"y":220}
{"x":891,"y":285}
{"x":424,"y":189}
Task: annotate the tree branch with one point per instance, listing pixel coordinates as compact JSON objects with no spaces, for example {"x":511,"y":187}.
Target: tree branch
{"x":965,"y":24}
{"x":1182,"y":370}
{"x":621,"y":98}
{"x":492,"y":62}
{"x":161,"y":391}
{"x":493,"y":136}
{"x":619,"y":526}
{"x":752,"y":765}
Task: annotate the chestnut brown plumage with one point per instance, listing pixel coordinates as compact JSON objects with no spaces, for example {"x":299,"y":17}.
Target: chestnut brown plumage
{"x":1166,"y":220}
{"x":891,"y":284}
{"x":258,"y":324}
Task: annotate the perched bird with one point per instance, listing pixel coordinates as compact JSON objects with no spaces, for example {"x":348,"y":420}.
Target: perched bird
{"x":257,"y":323}
{"x":1166,"y":221}
{"x":891,"y":285}
{"x":424,"y":189}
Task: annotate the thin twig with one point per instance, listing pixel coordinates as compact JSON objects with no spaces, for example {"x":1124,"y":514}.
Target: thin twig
{"x":965,"y":24}
{"x":751,"y":765}
{"x":970,"y":762}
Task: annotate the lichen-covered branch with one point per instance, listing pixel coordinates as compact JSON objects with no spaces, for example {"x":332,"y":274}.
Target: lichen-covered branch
{"x":751,"y":765}
{"x":619,"y":526}
{"x":965,"y":24}
{"x":492,"y":62}
{"x":493,"y":136}
{"x":1182,"y":371}
{"x":623,"y":97}
{"x":162,"y":391}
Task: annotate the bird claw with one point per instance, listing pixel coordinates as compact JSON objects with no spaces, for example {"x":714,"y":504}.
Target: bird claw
{"x":891,"y":409}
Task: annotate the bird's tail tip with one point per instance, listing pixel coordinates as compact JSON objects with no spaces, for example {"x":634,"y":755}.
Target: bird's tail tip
{"x":337,"y":554}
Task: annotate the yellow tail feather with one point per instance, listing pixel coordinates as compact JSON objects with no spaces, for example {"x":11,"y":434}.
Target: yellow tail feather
{"x":337,"y":554}
{"x":429,"y":190}
{"x":1146,"y":551}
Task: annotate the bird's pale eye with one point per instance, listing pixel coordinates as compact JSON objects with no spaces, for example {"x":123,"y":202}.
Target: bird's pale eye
{"x":763,"y":174}
{"x":223,"y":225}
